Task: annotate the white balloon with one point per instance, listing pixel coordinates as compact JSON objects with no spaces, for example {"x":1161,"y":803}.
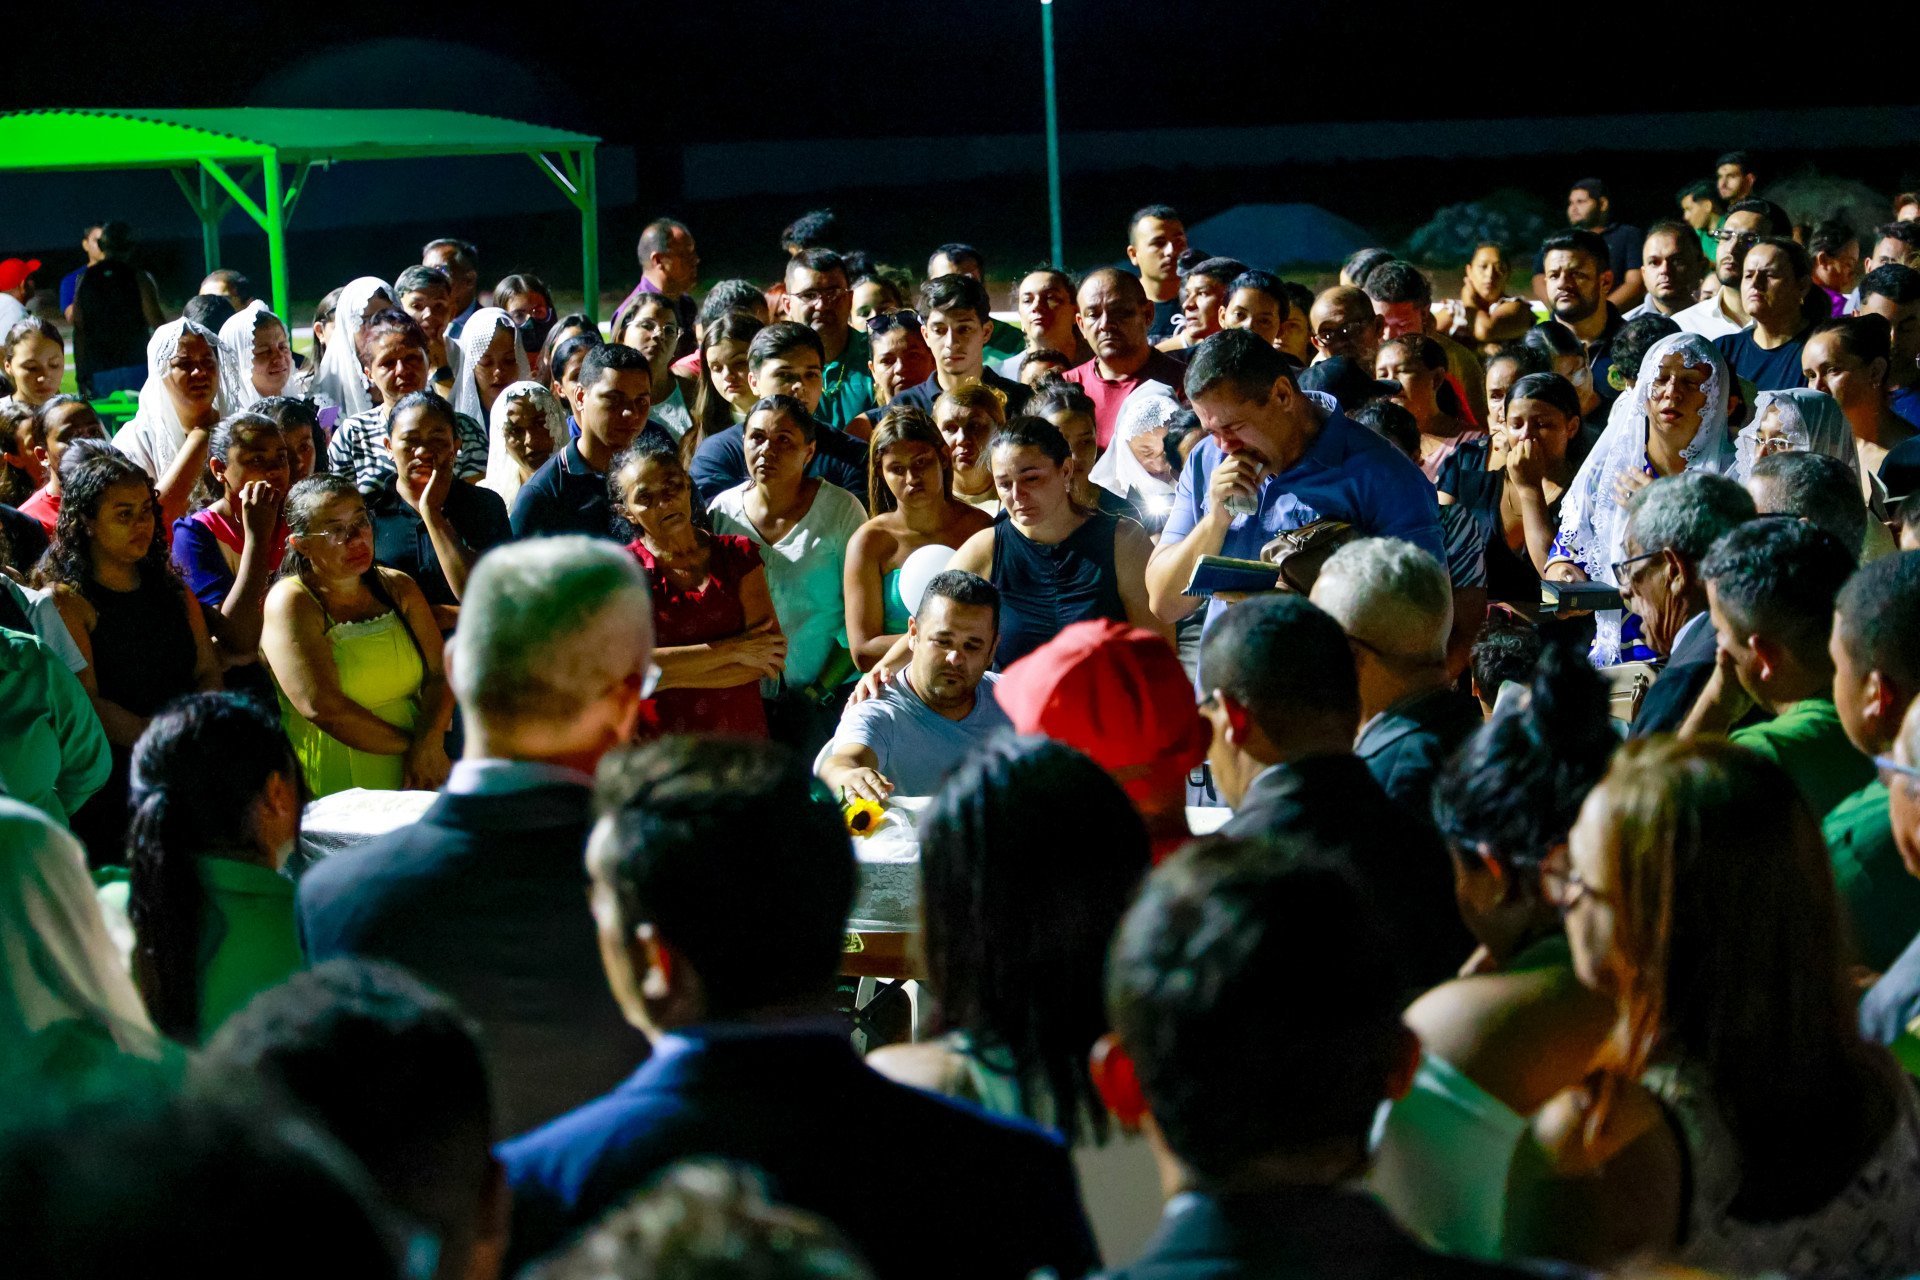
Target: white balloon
{"x":920,"y":569}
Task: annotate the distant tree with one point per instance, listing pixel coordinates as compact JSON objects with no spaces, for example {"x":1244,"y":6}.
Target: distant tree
{"x":1514,"y":220}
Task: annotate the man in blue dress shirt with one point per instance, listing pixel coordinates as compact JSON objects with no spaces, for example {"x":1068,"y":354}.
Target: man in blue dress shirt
{"x":1273,"y":445}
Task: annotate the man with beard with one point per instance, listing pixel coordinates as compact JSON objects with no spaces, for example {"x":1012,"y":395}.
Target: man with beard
{"x":1579,"y":283}
{"x":1734,"y":177}
{"x":923,"y":724}
{"x":1724,"y":313}
{"x":1588,"y":209}
{"x":1672,"y":266}
{"x":1115,"y":314}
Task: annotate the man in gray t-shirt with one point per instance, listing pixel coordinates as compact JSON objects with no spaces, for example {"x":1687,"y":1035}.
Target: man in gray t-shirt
{"x":942,"y":706}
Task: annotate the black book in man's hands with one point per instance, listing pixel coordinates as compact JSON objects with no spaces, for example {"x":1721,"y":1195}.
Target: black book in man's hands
{"x":1224,"y":573}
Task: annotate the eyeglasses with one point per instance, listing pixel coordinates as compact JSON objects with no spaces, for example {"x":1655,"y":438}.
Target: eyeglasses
{"x":1737,"y":237}
{"x":340,"y":535}
{"x":1564,"y":888}
{"x":666,"y":330}
{"x":520,"y":315}
{"x":1891,"y":770}
{"x":886,"y":321}
{"x":828,"y":293}
{"x":1335,"y":333}
{"x":1622,"y":568}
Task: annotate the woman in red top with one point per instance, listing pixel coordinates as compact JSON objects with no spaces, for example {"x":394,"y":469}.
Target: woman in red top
{"x":715,"y":633}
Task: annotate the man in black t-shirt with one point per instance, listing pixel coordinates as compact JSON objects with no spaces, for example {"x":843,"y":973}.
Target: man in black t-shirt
{"x":1156,"y":237}
{"x":1589,"y":209}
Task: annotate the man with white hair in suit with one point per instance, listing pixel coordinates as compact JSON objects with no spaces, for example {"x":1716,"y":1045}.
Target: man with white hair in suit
{"x":1393,"y":601}
{"x":486,"y":896}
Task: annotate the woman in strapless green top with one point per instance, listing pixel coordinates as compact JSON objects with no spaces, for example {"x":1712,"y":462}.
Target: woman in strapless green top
{"x":355,"y":653}
{"x":1517,"y":1026}
{"x":910,"y":492}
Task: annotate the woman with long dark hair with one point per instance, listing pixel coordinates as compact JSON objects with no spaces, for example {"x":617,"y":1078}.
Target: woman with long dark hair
{"x":723,"y":397}
{"x":216,"y":801}
{"x":229,"y":549}
{"x":1737,"y":1122}
{"x":1517,"y":1026}
{"x":910,"y":493}
{"x":1029,"y":855}
{"x":355,"y":651}
{"x":140,"y":630}
{"x":1055,"y":562}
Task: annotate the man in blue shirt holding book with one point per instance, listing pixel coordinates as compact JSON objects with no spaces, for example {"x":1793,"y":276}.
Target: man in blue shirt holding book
{"x":1273,"y":447}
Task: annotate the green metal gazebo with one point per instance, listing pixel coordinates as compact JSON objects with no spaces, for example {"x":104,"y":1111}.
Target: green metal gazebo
{"x":215,"y":155}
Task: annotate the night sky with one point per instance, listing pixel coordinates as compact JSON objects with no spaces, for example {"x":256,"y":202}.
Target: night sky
{"x":643,"y":73}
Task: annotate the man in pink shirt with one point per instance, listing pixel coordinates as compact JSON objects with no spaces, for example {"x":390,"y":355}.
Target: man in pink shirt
{"x":1114,"y":317}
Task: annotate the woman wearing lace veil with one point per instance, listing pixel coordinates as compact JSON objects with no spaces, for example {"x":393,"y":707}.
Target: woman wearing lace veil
{"x":256,"y":357}
{"x":1678,"y":423}
{"x":1800,"y":420}
{"x":179,"y":405}
{"x":1135,"y":465}
{"x":490,"y":361}
{"x":340,"y":382}
{"x":521,"y":414}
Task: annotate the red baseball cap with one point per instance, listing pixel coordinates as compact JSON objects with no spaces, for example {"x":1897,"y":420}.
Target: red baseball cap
{"x":13,"y":272}
{"x":1114,"y":693}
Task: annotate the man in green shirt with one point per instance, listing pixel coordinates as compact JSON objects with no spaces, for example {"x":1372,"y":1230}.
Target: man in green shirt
{"x":1876,"y":672}
{"x":820,"y":297}
{"x":1771,"y":585}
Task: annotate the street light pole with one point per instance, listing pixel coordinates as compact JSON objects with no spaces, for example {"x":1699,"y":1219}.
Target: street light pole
{"x":1053,"y":136}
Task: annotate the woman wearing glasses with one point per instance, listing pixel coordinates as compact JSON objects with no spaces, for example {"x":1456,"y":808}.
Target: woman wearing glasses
{"x":652,"y":327}
{"x":1679,"y":424}
{"x":355,"y":651}
{"x":1517,"y":1026}
{"x":1737,"y":1122}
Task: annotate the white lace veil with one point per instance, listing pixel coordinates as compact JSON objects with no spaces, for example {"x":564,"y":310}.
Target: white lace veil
{"x":57,"y":961}
{"x":340,"y":380}
{"x":1593,"y":522}
{"x":153,"y":436}
{"x":475,"y":338}
{"x":236,"y":355}
{"x":1812,"y":422}
{"x":503,"y":473}
{"x":1118,"y":471}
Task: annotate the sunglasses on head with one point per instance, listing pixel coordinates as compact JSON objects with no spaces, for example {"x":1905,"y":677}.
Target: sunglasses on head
{"x":886,"y":321}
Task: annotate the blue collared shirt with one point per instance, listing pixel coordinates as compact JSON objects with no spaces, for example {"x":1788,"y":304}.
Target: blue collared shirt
{"x":1348,"y":473}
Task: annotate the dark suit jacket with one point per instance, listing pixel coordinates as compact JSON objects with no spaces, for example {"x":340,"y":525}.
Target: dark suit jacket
{"x":1310,"y":1234}
{"x":486,"y":898}
{"x":1407,"y":744}
{"x":926,"y":1187}
{"x":1674,"y":691}
{"x":1399,"y":863}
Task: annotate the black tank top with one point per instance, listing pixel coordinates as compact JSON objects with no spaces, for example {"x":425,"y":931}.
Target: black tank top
{"x":1044,"y":588}
{"x":143,"y":650}
{"x":112,"y":320}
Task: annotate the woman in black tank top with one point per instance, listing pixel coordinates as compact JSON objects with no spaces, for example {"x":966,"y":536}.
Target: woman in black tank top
{"x":1055,"y":563}
{"x":135,"y":623}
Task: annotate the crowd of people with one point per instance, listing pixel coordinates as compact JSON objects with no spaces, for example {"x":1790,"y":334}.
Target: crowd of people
{"x":1402,"y":785}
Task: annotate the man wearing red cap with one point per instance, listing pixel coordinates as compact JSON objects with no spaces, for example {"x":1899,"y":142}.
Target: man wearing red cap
{"x":16,"y":289}
{"x":1117,"y":694}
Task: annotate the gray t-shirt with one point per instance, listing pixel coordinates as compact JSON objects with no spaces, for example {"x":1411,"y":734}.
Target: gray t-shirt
{"x":916,"y":744}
